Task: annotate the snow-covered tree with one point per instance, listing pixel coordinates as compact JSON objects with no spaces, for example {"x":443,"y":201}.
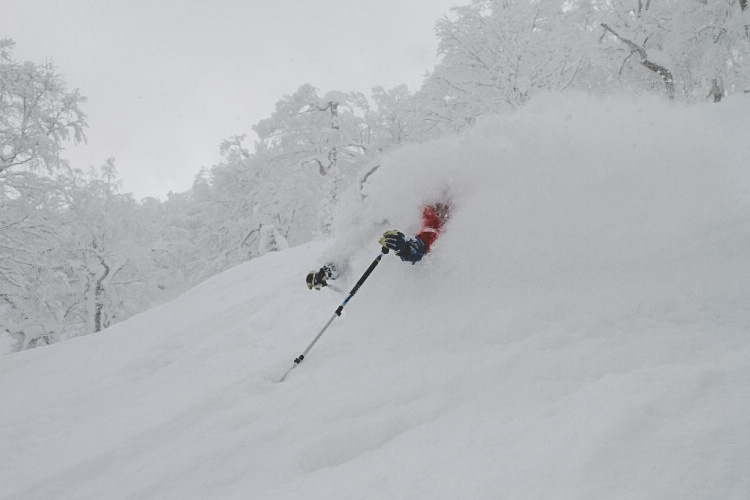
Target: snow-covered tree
{"x":219,"y":214}
{"x":401,"y":116}
{"x":77,"y":255}
{"x":37,"y":113}
{"x":692,"y":48}
{"x":271,"y":240}
{"x":713,"y":38}
{"x":107,"y":248}
{"x":315,"y":131}
{"x":496,"y":54}
{"x":32,"y":271}
{"x":308,"y":133}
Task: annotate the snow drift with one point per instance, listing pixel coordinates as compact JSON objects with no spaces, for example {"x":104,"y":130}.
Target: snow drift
{"x":580,"y":331}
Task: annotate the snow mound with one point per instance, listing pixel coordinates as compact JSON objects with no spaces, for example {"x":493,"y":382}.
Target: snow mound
{"x":580,"y":331}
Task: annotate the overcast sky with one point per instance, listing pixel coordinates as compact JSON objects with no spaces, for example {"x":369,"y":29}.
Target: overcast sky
{"x":167,"y":80}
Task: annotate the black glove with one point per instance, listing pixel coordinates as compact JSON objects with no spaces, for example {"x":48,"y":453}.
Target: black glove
{"x":393,"y":240}
{"x":318,"y":279}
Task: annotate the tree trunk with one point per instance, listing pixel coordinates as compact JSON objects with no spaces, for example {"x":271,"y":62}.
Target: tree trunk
{"x":663,"y":72}
{"x":717,"y":90}
{"x":99,"y":297}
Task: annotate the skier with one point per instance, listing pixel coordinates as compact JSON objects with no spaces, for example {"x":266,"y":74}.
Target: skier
{"x":411,"y":250}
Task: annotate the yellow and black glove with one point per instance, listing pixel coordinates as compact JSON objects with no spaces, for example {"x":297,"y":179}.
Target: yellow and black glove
{"x":393,"y":240}
{"x":318,"y":279}
{"x":409,"y":250}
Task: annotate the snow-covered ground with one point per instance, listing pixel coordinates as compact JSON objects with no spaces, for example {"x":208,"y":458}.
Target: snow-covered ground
{"x":581,"y":330}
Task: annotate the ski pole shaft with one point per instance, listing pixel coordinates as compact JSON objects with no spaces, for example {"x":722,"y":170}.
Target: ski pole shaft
{"x":361,"y":280}
{"x":337,"y":313}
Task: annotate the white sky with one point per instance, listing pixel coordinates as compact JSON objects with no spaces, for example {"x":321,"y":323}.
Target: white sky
{"x":167,"y":80}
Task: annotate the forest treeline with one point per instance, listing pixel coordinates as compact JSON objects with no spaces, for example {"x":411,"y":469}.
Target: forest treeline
{"x":77,"y":255}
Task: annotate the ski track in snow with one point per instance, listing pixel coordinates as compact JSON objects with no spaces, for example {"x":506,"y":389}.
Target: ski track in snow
{"x":580,"y":331}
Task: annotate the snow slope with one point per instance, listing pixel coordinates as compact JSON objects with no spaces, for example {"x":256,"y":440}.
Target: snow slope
{"x":580,"y":331}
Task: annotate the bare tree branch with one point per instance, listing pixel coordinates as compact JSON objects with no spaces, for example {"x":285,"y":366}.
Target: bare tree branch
{"x":663,"y":72}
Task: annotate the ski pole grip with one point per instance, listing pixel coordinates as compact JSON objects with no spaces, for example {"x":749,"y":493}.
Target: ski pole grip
{"x":385,"y":250}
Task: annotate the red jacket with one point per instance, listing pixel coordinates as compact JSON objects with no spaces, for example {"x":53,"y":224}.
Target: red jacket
{"x":432,"y":223}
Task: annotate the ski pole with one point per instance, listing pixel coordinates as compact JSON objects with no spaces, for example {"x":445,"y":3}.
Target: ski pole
{"x":337,"y":313}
